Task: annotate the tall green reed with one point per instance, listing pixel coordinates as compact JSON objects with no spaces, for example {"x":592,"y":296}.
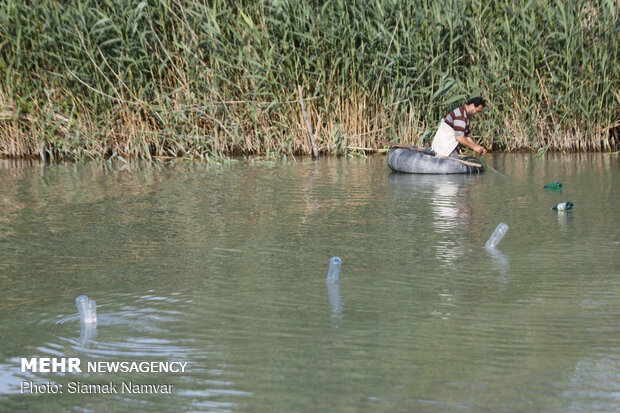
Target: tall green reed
{"x":205,"y":78}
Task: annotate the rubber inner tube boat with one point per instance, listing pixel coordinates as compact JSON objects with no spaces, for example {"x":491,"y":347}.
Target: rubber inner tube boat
{"x":426,"y":162}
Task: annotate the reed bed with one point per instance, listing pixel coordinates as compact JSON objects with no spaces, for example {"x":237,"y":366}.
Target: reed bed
{"x":207,"y":79}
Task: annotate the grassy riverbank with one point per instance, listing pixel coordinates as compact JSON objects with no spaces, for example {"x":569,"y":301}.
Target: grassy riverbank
{"x":210,"y":78}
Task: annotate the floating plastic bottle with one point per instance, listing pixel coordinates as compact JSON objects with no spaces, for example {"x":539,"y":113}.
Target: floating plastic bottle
{"x":564,"y":206}
{"x":553,"y":185}
{"x":334,"y":270}
{"x":497,"y":235}
{"x":335,"y":299}
{"x":87,"y":309}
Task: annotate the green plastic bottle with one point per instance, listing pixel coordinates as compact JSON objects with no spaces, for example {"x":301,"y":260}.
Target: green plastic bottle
{"x":553,"y":185}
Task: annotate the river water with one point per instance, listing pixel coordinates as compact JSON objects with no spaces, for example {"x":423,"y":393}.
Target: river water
{"x":223,"y":268}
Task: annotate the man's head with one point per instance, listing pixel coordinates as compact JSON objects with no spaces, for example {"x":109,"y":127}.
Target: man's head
{"x":474,"y":105}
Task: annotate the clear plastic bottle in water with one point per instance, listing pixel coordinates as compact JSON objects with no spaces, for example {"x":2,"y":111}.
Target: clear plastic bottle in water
{"x":334,"y":270}
{"x":497,"y":235}
{"x":564,"y":206}
{"x":87,"y":309}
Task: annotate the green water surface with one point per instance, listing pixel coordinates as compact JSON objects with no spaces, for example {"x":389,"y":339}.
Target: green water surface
{"x":224,"y":268}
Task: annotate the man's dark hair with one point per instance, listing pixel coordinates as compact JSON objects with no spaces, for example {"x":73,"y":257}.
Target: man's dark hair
{"x":477,"y":101}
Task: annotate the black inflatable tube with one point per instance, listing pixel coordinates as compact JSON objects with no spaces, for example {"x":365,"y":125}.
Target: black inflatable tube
{"x":414,"y":162}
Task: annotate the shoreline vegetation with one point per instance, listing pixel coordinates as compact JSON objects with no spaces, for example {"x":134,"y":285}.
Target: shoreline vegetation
{"x":208,"y":79}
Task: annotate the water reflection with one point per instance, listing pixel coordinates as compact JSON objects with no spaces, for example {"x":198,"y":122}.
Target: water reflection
{"x":450,"y":205}
{"x":335,"y":299}
{"x":500,"y":261}
{"x":88,"y":333}
{"x":564,"y":219}
{"x":595,"y":379}
{"x":311,"y":203}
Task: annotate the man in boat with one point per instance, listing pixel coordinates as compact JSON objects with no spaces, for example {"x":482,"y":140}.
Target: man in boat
{"x":454,"y":133}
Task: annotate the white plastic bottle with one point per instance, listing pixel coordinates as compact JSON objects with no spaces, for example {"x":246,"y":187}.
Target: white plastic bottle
{"x":87,"y":309}
{"x":334,"y":270}
{"x":497,"y":235}
{"x":564,"y":206}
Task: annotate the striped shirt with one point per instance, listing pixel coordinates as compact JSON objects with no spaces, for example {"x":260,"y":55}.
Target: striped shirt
{"x":459,"y":121}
